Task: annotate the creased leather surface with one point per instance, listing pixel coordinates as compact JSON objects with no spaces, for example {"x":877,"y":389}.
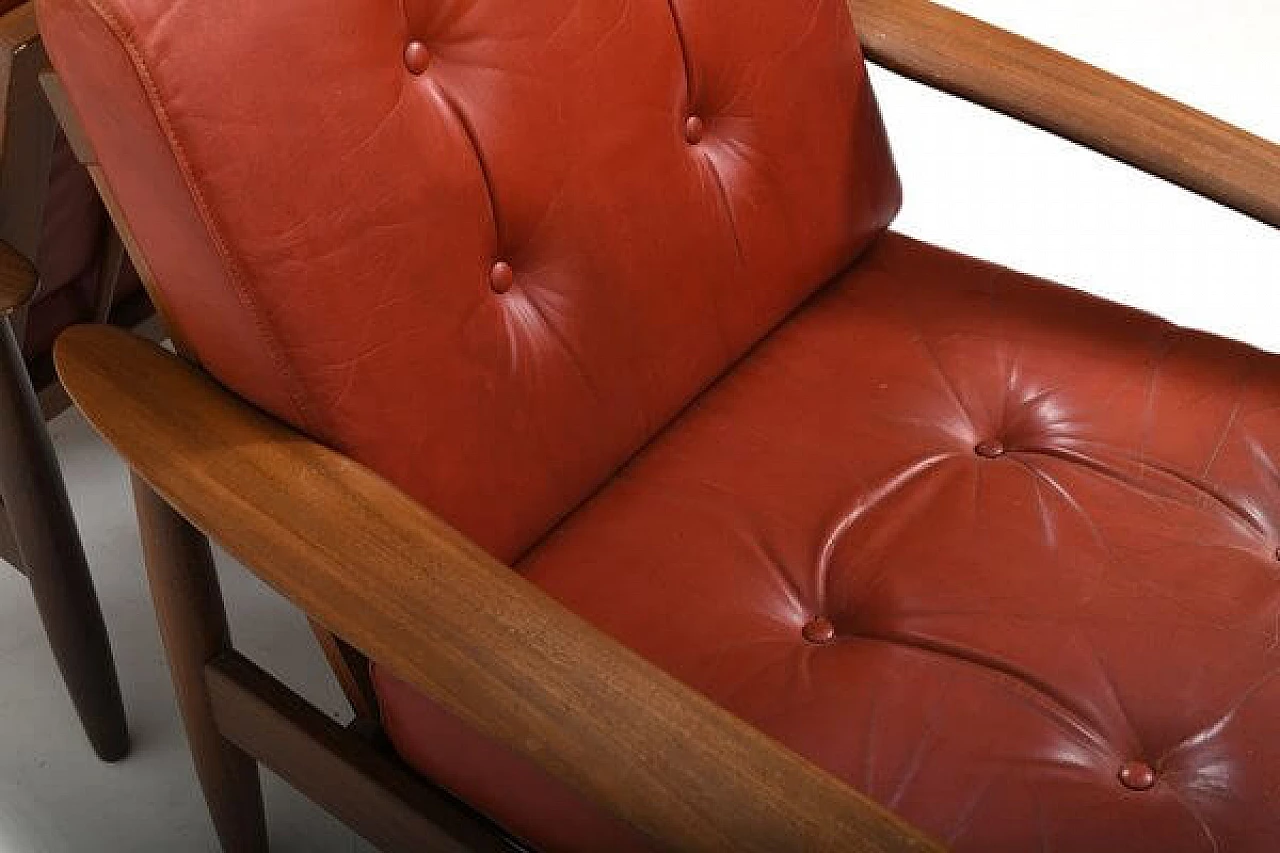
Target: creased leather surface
{"x":1010,"y":631}
{"x":324,"y":223}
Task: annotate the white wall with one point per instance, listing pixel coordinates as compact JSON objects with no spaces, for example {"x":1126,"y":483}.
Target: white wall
{"x":988,"y":186}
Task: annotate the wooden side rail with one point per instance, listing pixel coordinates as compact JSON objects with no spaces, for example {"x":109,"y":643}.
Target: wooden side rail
{"x":335,"y":767}
{"x":380,"y":571}
{"x":989,"y":66}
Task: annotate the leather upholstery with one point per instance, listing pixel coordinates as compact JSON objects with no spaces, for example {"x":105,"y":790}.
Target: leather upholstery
{"x":1000,"y":554}
{"x":1011,"y":631}
{"x":548,"y":137}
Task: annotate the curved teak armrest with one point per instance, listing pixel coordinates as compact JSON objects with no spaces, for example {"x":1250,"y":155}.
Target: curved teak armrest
{"x":1012,"y":75}
{"x":376,"y":568}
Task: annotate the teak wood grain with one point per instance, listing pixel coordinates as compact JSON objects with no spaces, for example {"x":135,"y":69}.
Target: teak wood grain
{"x":382,"y":572}
{"x":193,"y":627}
{"x":989,"y":66}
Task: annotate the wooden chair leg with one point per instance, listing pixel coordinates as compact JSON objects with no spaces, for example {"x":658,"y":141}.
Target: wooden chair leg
{"x":48,"y":544}
{"x":193,"y":624}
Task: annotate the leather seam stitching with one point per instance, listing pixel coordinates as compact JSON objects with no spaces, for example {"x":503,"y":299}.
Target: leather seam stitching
{"x":293,"y":387}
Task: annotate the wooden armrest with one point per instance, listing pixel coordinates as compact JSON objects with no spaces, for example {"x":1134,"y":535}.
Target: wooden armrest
{"x":1012,"y":75}
{"x":17,"y":279}
{"x":379,"y":570}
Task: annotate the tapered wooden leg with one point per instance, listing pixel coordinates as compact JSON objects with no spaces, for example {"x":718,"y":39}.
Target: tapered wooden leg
{"x":193,"y":624}
{"x":48,"y":544}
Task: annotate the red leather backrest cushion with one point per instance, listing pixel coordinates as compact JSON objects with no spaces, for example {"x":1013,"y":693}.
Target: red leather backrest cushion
{"x":324,"y":208}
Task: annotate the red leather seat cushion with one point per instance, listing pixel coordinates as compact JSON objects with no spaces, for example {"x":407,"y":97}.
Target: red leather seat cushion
{"x":1013,"y":632}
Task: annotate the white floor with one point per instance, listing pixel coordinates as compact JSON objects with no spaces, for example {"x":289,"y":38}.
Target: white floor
{"x":984,"y":185}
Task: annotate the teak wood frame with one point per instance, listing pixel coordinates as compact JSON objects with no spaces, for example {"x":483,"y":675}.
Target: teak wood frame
{"x":399,"y":586}
{"x":38,"y":535}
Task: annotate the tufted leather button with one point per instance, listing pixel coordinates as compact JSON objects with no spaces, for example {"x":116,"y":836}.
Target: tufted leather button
{"x":693,"y":130}
{"x":990,"y":449}
{"x":501,"y":277}
{"x":1137,"y":776}
{"x":416,"y":57}
{"x":820,"y":631}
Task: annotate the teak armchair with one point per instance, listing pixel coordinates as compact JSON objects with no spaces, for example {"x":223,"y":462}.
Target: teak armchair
{"x":1043,"y":526}
{"x":60,"y":263}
